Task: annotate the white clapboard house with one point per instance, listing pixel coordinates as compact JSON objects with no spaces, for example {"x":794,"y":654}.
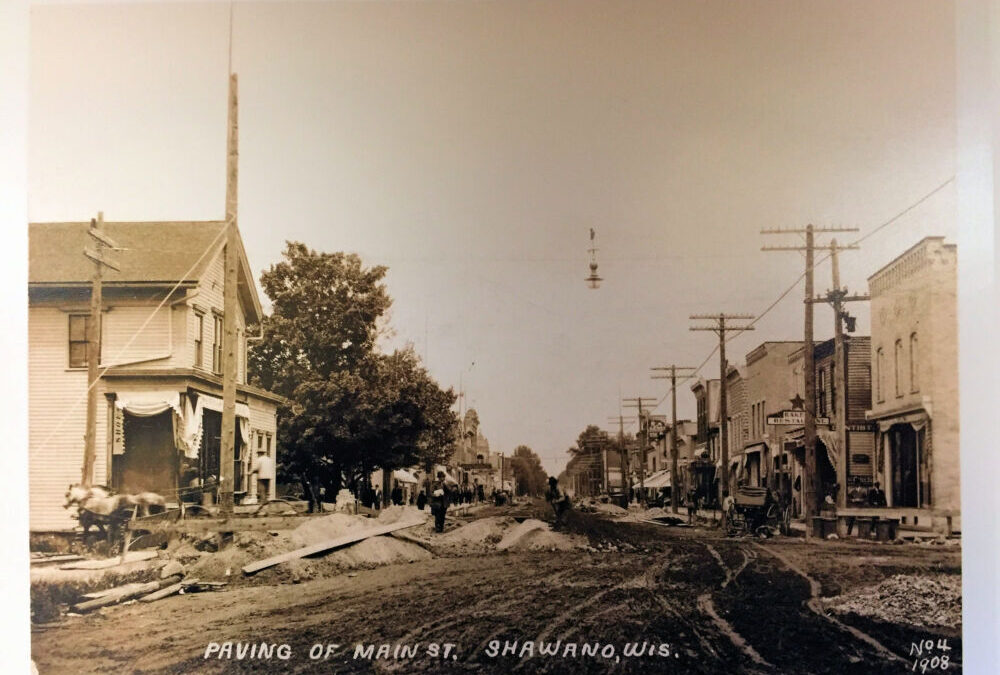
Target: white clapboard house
{"x":160,"y":397}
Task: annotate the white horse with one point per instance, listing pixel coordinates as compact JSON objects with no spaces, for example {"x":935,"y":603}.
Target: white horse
{"x":97,"y":506}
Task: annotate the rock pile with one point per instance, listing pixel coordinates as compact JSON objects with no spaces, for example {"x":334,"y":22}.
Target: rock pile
{"x":917,"y":600}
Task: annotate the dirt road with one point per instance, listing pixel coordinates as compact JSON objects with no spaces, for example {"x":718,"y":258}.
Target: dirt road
{"x":699,"y":603}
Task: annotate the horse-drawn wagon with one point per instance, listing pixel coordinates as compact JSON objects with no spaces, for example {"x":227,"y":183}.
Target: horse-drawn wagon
{"x":754,"y":510}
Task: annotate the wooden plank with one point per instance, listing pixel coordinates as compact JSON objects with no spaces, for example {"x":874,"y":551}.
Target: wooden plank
{"x":328,"y":545}
{"x":124,"y":593}
{"x":56,"y":558}
{"x":164,"y":592}
{"x":133,"y":556}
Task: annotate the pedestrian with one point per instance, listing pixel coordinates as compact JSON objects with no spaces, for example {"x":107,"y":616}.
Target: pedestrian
{"x":439,"y":501}
{"x":263,"y":467}
{"x":559,"y":500}
{"x":876,"y":497}
{"x":691,"y":506}
{"x":421,"y":500}
{"x":397,"y":495}
{"x":378,"y":499}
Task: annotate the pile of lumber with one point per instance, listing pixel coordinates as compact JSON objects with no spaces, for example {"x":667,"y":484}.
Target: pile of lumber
{"x":145,"y":592}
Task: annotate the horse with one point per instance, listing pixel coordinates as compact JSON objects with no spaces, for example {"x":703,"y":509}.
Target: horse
{"x":98,"y":507}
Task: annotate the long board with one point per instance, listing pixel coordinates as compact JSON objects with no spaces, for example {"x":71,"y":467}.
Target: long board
{"x":328,"y":545}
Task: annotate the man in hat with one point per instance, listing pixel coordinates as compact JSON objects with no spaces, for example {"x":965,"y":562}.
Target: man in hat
{"x":439,"y":501}
{"x":263,"y":467}
{"x":559,"y":500}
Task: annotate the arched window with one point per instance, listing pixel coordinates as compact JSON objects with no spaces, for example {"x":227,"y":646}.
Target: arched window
{"x":897,"y":357}
{"x":879,"y":370}
{"x":914,"y":377}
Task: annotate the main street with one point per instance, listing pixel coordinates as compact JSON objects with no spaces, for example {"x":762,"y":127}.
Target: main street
{"x":701,"y":603}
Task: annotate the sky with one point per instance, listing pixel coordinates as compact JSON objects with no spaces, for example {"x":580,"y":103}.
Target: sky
{"x":471,"y":146}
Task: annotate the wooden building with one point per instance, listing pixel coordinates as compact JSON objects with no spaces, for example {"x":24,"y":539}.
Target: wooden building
{"x":160,"y":390}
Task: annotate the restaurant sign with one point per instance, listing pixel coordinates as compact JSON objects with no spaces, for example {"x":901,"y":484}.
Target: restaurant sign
{"x":793,"y":418}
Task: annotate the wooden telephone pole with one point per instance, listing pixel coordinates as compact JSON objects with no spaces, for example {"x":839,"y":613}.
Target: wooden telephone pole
{"x":638,"y":402}
{"x":673,"y":427}
{"x":810,"y":503}
{"x":96,"y":254}
{"x":836,"y":297}
{"x":227,"y":452}
{"x":721,"y":328}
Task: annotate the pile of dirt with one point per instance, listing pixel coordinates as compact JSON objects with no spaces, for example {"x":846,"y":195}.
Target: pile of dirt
{"x":248,"y":547}
{"x":613,"y":509}
{"x":534,"y":535}
{"x":917,"y":600}
{"x":480,"y":535}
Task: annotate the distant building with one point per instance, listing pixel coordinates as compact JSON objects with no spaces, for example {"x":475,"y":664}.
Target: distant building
{"x":741,"y":466}
{"x":705,"y":465}
{"x":769,"y":391}
{"x":914,"y":362}
{"x":860,"y":437}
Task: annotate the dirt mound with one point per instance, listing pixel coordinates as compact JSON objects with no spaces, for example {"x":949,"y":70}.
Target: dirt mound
{"x":392,"y":514}
{"x":535,"y":535}
{"x":486,"y":531}
{"x":323,"y":528}
{"x":613,"y":509}
{"x":917,"y":600}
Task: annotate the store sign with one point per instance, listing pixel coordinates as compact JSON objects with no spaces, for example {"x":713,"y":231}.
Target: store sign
{"x":793,"y":418}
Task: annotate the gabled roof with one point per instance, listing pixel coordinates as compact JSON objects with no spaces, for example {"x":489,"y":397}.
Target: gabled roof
{"x":154,"y":253}
{"x":163,"y":252}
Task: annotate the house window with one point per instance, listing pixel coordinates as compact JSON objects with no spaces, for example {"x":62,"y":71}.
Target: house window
{"x":78,"y":325}
{"x":269,"y":445}
{"x":833,"y":391}
{"x":199,"y":339}
{"x":914,"y":380}
{"x":896,"y":358}
{"x":217,"y":344}
{"x":879,"y":370}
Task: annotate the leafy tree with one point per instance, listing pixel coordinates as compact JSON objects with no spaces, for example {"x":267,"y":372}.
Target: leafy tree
{"x":529,"y":475}
{"x":349,"y":410}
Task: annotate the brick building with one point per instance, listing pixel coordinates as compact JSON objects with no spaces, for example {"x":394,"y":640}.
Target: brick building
{"x":914,"y":362}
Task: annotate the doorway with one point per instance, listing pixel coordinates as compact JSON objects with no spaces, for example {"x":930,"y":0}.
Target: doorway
{"x":908,"y":470}
{"x":149,"y":462}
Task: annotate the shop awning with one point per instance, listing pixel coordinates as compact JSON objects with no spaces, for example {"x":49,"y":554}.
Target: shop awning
{"x":448,"y":478}
{"x":404,"y":476}
{"x":831,"y":443}
{"x":756,"y":447}
{"x":148,"y":403}
{"x":660,"y":479}
{"x":195,"y":416}
{"x":915,"y":419}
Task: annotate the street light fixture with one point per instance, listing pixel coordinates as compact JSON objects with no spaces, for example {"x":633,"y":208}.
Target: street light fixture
{"x":593,"y":280}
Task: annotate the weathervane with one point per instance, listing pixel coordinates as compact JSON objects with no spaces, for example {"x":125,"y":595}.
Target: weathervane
{"x":593,"y":279}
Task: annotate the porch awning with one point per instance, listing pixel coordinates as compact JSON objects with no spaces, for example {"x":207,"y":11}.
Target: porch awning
{"x":195,"y":416}
{"x":660,"y":479}
{"x":916,"y":419}
{"x":148,"y":403}
{"x":831,"y":444}
{"x":404,"y":476}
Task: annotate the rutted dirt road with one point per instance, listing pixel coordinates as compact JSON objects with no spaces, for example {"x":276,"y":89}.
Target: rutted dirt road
{"x":700,"y":603}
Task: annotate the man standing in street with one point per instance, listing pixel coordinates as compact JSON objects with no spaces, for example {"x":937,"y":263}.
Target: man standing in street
{"x":558,"y":499}
{"x":439,"y":501}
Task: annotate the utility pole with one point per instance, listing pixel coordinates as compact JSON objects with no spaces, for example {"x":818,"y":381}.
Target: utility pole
{"x":103,"y":242}
{"x":227,"y":451}
{"x":810,"y":503}
{"x":638,"y":402}
{"x":721,"y":329}
{"x":673,"y":427}
{"x":837,"y":296}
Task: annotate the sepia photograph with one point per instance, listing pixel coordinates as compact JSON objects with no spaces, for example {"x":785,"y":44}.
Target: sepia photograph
{"x":495,"y":336}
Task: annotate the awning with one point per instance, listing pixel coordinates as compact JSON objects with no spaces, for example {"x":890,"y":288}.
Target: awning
{"x":756,"y":447}
{"x":148,"y":403}
{"x":660,"y":479}
{"x":404,"y":476}
{"x":831,"y":443}
{"x":915,"y":419}
{"x":195,"y":416}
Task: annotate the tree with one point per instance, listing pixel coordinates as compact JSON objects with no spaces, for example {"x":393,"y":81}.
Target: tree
{"x":529,"y":475}
{"x":349,"y":409}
